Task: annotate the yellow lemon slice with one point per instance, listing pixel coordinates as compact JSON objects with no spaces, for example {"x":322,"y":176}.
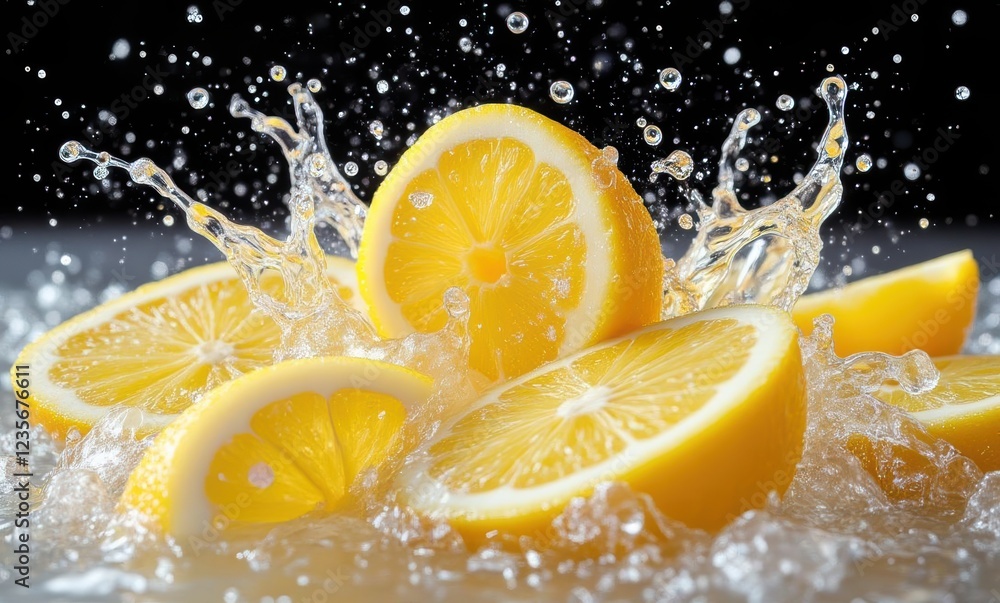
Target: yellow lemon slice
{"x":928,"y":306}
{"x":536,"y":225}
{"x":156,"y":348}
{"x":273,"y":445}
{"x":705,"y":412}
{"x":963,"y":409}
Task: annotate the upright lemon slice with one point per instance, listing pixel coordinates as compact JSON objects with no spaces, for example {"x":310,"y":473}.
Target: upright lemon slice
{"x":274,"y":444}
{"x":548,"y":239}
{"x":928,"y":306}
{"x":705,"y":412}
{"x":964,"y":408}
{"x":156,"y":348}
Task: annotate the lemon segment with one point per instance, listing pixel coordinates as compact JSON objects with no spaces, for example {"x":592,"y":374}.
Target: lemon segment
{"x":537,"y":226}
{"x":705,"y":412}
{"x":275,"y":444}
{"x":928,"y":306}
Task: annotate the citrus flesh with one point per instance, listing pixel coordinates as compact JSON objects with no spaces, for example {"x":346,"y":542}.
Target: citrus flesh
{"x":928,"y":306}
{"x":705,"y":412}
{"x":536,"y":225}
{"x":156,"y":348}
{"x":274,"y":444}
{"x":963,"y":409}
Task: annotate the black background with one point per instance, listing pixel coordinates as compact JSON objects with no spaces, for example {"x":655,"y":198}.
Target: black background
{"x":785,"y":49}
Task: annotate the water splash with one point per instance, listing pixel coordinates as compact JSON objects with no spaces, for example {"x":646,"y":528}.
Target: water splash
{"x":767,"y":255}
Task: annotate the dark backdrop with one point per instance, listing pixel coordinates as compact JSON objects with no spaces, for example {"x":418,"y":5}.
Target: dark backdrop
{"x":134,"y":104}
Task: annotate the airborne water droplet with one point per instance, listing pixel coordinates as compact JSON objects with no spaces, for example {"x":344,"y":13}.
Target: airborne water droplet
{"x":959,"y":17}
{"x":863,"y":162}
{"x":670,"y":78}
{"x":381,"y":167}
{"x":678,"y":164}
{"x":465,"y":44}
{"x":924,"y":223}
{"x":685,"y":221}
{"x":278,"y":73}
{"x":351,"y":168}
{"x":314,"y":85}
{"x":652,"y":135}
{"x":517,"y":22}
{"x":962,"y":93}
{"x":911,"y":171}
{"x":785,"y":102}
{"x":198,"y":98}
{"x":561,"y":91}
{"x":376,"y":128}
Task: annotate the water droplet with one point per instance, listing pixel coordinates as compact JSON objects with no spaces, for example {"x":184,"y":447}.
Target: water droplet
{"x":863,"y":162}
{"x":517,"y":22}
{"x":829,"y":67}
{"x":742,"y":164}
{"x":911,"y":171}
{"x":69,"y":151}
{"x":314,"y":85}
{"x":670,"y":78}
{"x":41,"y":74}
{"x":381,"y":167}
{"x":376,"y":128}
{"x":168,"y":220}
{"x":260,"y":475}
{"x":641,"y":122}
{"x":198,"y":98}
{"x":731,"y":56}
{"x":924,"y":223}
{"x":382,"y":86}
{"x":561,"y":91}
{"x":962,"y":93}
{"x":351,"y":168}
{"x":785,"y":102}
{"x":120,"y":49}
{"x":959,"y":17}
{"x":685,"y":221}
{"x":420,"y":200}
{"x":100,"y":172}
{"x":465,"y":44}
{"x":678,"y":164}
{"x":897,"y":58}
{"x":652,"y":135}
{"x":278,"y":73}
{"x":456,"y":302}
{"x":194,"y":15}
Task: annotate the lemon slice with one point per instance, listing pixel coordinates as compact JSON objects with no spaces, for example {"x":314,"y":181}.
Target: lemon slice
{"x":963,"y":409}
{"x":706,"y":413}
{"x":928,"y":306}
{"x":274,"y":444}
{"x":539,"y":228}
{"x":156,"y":348}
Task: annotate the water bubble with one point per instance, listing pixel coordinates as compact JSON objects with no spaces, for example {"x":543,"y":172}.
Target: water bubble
{"x":670,"y":78}
{"x":678,"y":164}
{"x":911,"y":171}
{"x":69,"y":151}
{"x":742,"y":164}
{"x":785,"y":102}
{"x":897,"y":58}
{"x":517,"y":22}
{"x":641,"y":122}
{"x":100,"y":172}
{"x":314,"y":85}
{"x":404,"y":10}
{"x":924,"y":223}
{"x":561,"y":91}
{"x":278,"y":73}
{"x":465,"y":44}
{"x":962,"y":93}
{"x":382,"y":86}
{"x":863,"y":162}
{"x":959,"y":17}
{"x":198,"y":98}
{"x":41,"y":74}
{"x":351,"y":168}
{"x":168,"y":220}
{"x":381,"y":167}
{"x":120,"y":49}
{"x":420,"y":200}
{"x":731,"y":56}
{"x":652,"y":135}
{"x":377,"y":129}
{"x":194,"y":15}
{"x":685,"y":221}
